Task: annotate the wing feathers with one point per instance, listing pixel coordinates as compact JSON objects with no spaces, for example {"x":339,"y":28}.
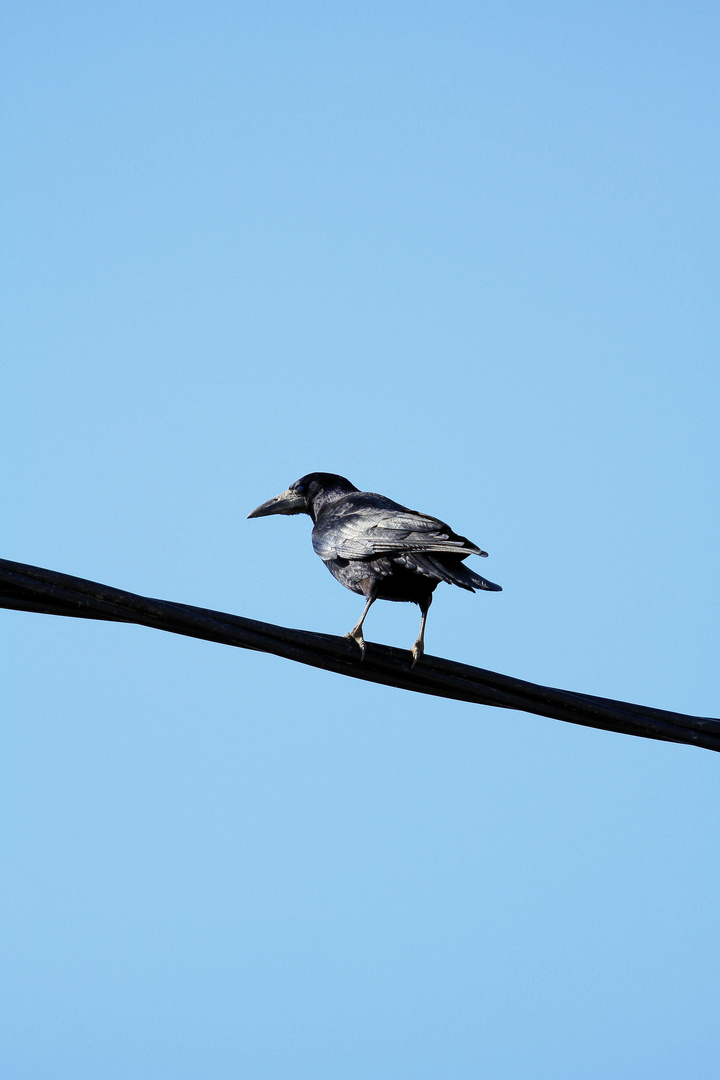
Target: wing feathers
{"x":363,"y":526}
{"x":373,"y":530}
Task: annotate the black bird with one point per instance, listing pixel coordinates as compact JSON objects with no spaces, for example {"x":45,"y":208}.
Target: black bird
{"x":377,"y":547}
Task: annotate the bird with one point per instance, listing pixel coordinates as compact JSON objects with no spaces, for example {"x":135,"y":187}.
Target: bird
{"x":377,"y":547}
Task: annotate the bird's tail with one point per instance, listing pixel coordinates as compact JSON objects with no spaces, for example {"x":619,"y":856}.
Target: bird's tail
{"x":479,"y":582}
{"x":454,"y":572}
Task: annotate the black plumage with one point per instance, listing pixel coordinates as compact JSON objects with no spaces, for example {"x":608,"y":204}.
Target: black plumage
{"x":377,"y":547}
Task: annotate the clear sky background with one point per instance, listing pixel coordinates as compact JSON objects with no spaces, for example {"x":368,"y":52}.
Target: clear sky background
{"x":465,"y":254}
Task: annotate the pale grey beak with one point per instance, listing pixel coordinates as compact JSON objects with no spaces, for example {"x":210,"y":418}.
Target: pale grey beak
{"x":287,"y":502}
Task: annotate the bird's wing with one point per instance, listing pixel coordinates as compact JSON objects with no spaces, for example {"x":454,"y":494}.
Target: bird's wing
{"x":369,"y":531}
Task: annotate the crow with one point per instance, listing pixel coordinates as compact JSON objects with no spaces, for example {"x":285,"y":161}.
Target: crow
{"x":377,"y":547}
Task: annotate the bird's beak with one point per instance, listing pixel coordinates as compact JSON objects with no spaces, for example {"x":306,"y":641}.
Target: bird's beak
{"x":287,"y":502}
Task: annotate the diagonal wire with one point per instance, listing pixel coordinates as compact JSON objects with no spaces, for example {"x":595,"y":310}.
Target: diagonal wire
{"x":32,"y":588}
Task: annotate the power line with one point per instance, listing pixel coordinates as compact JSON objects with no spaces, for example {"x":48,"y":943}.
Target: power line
{"x":32,"y":588}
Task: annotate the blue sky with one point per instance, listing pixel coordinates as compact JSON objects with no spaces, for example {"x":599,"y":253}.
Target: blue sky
{"x":466,"y":255}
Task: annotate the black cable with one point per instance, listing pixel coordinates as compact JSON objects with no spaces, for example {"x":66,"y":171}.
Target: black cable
{"x":31,"y":588}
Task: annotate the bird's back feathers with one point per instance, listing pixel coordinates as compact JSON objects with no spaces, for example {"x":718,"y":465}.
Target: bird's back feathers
{"x":364,"y":525}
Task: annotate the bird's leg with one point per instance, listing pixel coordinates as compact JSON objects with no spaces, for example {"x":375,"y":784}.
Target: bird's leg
{"x":356,"y":632}
{"x":419,"y":647}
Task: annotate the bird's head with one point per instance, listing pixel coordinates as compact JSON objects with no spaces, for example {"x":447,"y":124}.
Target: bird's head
{"x":306,"y":496}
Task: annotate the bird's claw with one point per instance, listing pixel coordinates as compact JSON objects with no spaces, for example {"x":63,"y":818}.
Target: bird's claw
{"x":416,"y":652}
{"x":359,"y":641}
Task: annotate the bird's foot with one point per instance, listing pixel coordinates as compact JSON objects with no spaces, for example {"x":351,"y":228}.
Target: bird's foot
{"x":356,"y":636}
{"x":416,"y":652}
